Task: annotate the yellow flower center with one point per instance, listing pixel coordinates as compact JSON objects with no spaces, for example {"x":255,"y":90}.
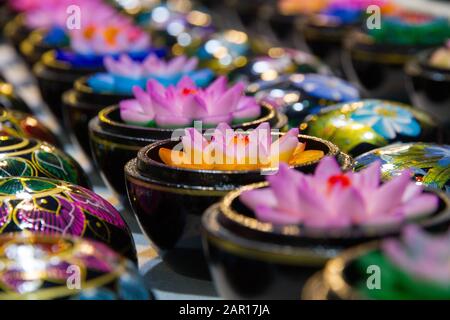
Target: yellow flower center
{"x":386,"y":112}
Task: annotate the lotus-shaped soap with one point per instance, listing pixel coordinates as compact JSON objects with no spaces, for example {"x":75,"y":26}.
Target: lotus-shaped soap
{"x":124,"y":73}
{"x":334,"y":199}
{"x":181,"y":105}
{"x":112,"y":37}
{"x":421,"y":255}
{"x":55,"y":13}
{"x":226,"y":149}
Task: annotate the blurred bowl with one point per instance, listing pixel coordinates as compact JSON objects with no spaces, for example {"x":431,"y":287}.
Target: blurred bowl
{"x":20,"y":124}
{"x":249,"y":259}
{"x":429,"y":88}
{"x":81,"y":104}
{"x":44,"y":267}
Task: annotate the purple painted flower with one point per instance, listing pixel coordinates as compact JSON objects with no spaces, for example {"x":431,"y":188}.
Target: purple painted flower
{"x":331,"y":198}
{"x":422,"y":255}
{"x":180,"y":105}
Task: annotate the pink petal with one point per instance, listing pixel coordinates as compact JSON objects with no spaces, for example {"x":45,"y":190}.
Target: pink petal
{"x":190,"y":65}
{"x":253,"y":198}
{"x":155,"y":88}
{"x":326,"y":168}
{"x":193,"y":144}
{"x":247,"y":102}
{"x":382,"y":220}
{"x":389,"y":195}
{"x":144,"y":100}
{"x":175,"y":65}
{"x":349,"y":203}
{"x":153,"y":65}
{"x":186,"y":83}
{"x":275,"y":216}
{"x":250,"y":112}
{"x":110,"y":64}
{"x":171,"y":121}
{"x":228,"y":101}
{"x":286,"y":179}
{"x":131,"y":104}
{"x":421,"y":205}
{"x":412,"y":190}
{"x":131,"y":112}
{"x":262,"y":138}
{"x":194,"y":107}
{"x":312,"y":205}
{"x":283,"y":148}
{"x":214,"y":120}
{"x":218,"y":87}
{"x":368,"y":178}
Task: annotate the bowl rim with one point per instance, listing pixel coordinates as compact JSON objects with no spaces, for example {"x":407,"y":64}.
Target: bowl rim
{"x":420,"y":66}
{"x":213,"y":232}
{"x":356,"y":40}
{"x":333,"y":272}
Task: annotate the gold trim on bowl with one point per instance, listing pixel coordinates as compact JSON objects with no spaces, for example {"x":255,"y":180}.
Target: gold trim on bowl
{"x":276,"y":253}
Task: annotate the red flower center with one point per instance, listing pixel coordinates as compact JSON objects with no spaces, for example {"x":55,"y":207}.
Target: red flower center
{"x":341,"y":179}
{"x":241,"y":139}
{"x":187,"y":91}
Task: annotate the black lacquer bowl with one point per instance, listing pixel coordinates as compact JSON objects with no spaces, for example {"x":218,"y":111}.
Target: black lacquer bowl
{"x":377,"y":67}
{"x":249,"y":259}
{"x":114,"y":143}
{"x":429,"y":88}
{"x":20,"y":124}
{"x":324,"y":37}
{"x":42,"y":267}
{"x":9,"y":100}
{"x":168,"y":201}
{"x":55,"y":77}
{"x":15,"y":31}
{"x":81,"y":104}
{"x":34,"y":46}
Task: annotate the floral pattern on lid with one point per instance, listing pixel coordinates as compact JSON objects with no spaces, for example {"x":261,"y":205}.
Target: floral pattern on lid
{"x":38,"y":267}
{"x":55,"y":207}
{"x":326,"y":87}
{"x":387,"y":119}
{"x":428,"y":162}
{"x":364,"y":125}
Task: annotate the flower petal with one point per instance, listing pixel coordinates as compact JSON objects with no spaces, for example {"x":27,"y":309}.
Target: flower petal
{"x":253,"y":198}
{"x":276,"y":216}
{"x":326,"y":168}
{"x":228,"y":101}
{"x":421,"y":205}
{"x":389,"y":195}
{"x":171,"y":121}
